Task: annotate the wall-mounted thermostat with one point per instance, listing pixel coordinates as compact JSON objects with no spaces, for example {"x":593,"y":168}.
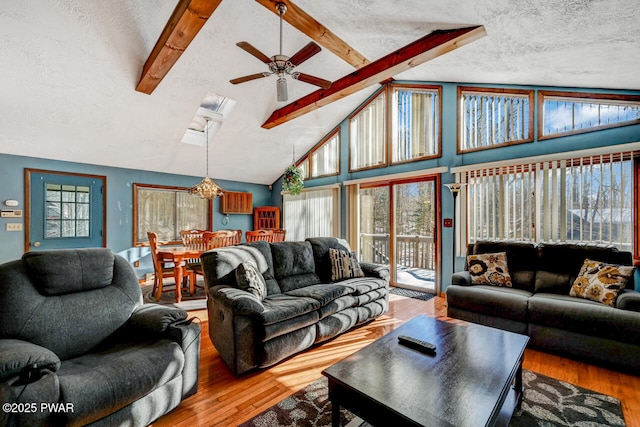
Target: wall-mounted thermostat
{"x":15,"y":213}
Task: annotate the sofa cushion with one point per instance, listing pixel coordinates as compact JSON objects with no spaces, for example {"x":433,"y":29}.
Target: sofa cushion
{"x":489,"y":269}
{"x":522,"y":260}
{"x":601,"y":282}
{"x":502,"y":302}
{"x":53,"y":321}
{"x":322,"y":292}
{"x":293,"y":265}
{"x":250,"y":279}
{"x":321,"y":246}
{"x":219,"y":265}
{"x":560,"y":264}
{"x":101,"y":383}
{"x":92,"y":268}
{"x":344,"y":265}
{"x":281,"y":307}
{"x":584,"y":316}
{"x":362,"y":285}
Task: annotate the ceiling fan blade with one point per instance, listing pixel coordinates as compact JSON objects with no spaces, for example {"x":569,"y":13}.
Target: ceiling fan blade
{"x":249,"y":77}
{"x":324,"y":84}
{"x":253,"y":51}
{"x":305,"y":53}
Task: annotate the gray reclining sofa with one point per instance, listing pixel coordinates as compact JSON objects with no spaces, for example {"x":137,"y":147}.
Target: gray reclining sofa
{"x":302,"y":305}
{"x":76,"y":338}
{"x":539,"y":303}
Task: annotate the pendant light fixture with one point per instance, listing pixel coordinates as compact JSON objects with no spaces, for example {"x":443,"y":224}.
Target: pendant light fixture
{"x":206,"y":189}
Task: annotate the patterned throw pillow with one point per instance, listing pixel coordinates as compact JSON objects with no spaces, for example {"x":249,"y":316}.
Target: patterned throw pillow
{"x":601,"y":282}
{"x":250,"y":279}
{"x":344,"y":265}
{"x":489,"y":269}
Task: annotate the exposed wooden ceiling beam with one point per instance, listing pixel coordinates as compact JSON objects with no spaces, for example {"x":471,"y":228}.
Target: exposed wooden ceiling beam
{"x":317,"y":32}
{"x":187,"y":19}
{"x":422,"y":50}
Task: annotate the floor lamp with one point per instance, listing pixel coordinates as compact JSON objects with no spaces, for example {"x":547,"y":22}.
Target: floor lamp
{"x":455,"y":189}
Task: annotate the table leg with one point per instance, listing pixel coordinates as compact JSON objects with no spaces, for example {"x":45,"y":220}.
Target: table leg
{"x":178,"y":274}
{"x":519,"y":387}
{"x":335,"y":406}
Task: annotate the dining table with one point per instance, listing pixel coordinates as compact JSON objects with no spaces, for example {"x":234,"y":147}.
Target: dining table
{"x":179,"y":255}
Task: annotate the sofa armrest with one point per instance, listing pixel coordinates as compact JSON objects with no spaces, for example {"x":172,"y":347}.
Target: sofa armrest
{"x":628,"y":299}
{"x":237,"y":300}
{"x":461,"y":278}
{"x":28,"y":376}
{"x":19,"y":357}
{"x":155,"y":318}
{"x":379,"y":271}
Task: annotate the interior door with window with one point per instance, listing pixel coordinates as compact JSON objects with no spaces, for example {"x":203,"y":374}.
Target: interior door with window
{"x":65,"y":211}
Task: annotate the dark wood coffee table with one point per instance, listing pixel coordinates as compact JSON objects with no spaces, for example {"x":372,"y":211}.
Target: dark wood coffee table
{"x":474,"y":379}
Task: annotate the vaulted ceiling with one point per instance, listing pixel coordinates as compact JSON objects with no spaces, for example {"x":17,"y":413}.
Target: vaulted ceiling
{"x":69,"y":71}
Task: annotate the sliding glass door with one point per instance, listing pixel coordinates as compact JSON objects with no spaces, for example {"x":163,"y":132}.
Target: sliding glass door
{"x":398,"y":226}
{"x":414,"y":234}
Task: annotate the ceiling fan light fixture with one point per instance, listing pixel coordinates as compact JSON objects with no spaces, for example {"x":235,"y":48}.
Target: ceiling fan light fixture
{"x":282,"y":89}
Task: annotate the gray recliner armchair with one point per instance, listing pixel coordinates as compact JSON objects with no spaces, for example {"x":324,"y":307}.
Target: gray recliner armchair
{"x":78,"y":347}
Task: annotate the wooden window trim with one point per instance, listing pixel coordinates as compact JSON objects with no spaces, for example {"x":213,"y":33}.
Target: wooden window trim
{"x":497,"y":91}
{"x":161,"y":187}
{"x":581,"y":96}
{"x":438,"y":88}
{"x":335,"y":131}
{"x":384,"y":89}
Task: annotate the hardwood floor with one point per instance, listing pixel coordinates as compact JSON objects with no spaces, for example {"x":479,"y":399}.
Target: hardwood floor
{"x":225,"y":400}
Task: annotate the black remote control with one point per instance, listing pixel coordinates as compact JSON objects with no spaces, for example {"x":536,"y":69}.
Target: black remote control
{"x":416,"y":344}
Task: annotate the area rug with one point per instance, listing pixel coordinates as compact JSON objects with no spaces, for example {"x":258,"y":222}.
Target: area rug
{"x":425,"y":296}
{"x":547,"y":402}
{"x":198,"y":301}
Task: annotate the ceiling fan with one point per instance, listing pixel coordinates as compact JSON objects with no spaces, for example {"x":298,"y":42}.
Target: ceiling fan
{"x":281,"y":65}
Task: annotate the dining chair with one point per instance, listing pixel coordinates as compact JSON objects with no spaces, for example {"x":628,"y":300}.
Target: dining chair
{"x":252,"y":236}
{"x":237,"y":236}
{"x":278,"y":235}
{"x":195,"y":240}
{"x":219,"y":238}
{"x":162,"y":268}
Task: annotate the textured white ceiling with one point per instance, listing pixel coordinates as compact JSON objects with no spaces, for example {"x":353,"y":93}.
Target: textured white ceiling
{"x":68,"y":69}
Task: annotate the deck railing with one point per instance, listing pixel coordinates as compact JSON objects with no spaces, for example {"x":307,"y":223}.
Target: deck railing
{"x":411,"y":251}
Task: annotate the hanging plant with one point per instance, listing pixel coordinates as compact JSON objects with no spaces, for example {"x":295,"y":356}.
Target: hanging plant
{"x":293,"y":181}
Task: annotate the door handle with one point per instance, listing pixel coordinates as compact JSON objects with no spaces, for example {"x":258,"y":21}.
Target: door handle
{"x":36,"y":244}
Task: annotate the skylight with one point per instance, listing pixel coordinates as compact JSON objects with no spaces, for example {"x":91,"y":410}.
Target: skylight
{"x":214,"y":109}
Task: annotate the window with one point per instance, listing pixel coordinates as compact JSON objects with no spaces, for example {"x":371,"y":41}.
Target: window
{"x":415,"y":123}
{"x":68,"y":210}
{"x":166,"y":211}
{"x":325,"y":160}
{"x":367,"y":135}
{"x":304,"y":167}
{"x":563,"y":113}
{"x":583,"y":199}
{"x":493,"y":117}
{"x":312,"y":213}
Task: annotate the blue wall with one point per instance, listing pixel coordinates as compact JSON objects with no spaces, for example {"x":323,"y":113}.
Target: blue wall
{"x":450,"y":158}
{"x":119,"y":207}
